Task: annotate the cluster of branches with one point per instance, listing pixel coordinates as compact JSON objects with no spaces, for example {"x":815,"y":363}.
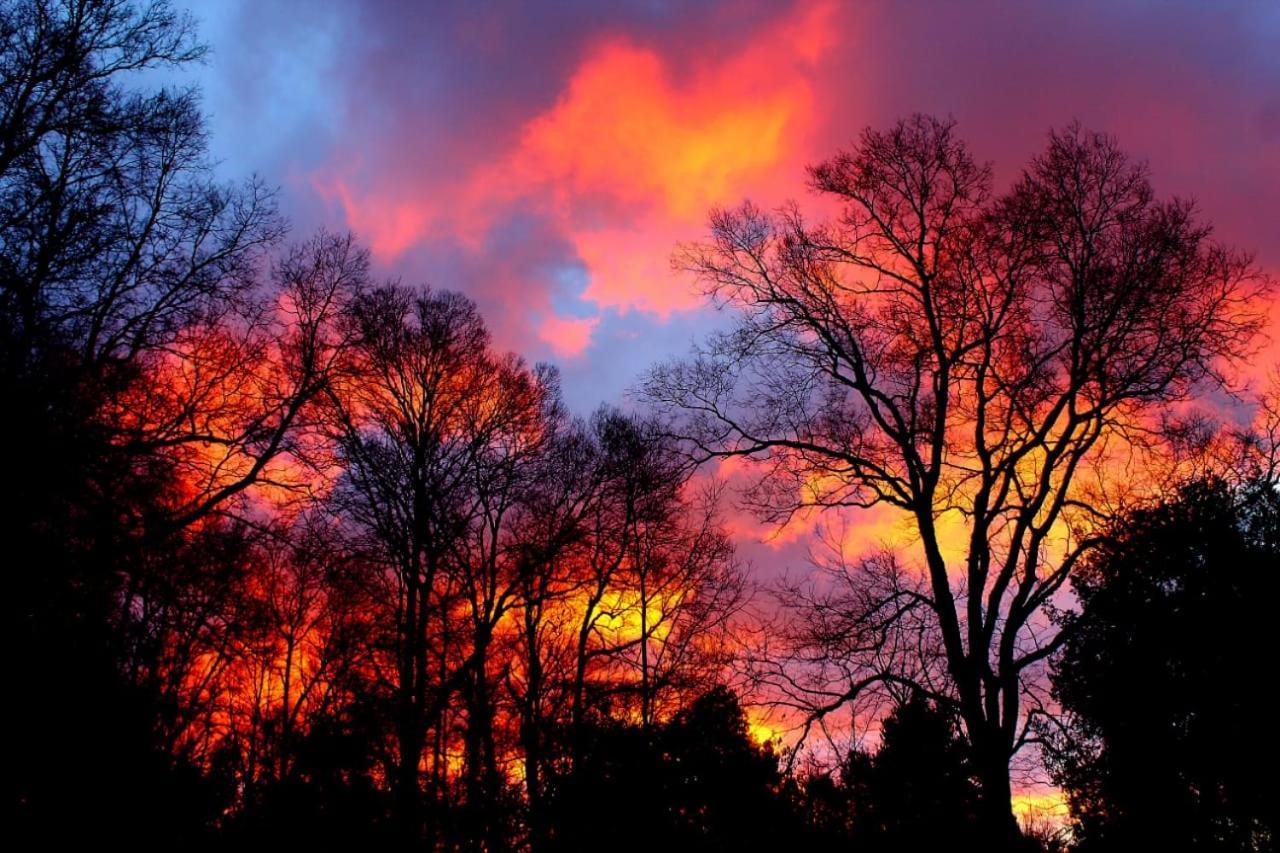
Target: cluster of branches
{"x":532,"y":567}
{"x":278,"y":526}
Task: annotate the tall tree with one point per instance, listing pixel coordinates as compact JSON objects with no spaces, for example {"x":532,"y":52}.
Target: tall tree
{"x":554,"y":539}
{"x":659,"y":581}
{"x":435,"y":434}
{"x":970,"y":359}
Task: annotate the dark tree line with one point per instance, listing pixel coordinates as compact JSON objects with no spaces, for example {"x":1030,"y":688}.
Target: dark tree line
{"x":298,"y":556}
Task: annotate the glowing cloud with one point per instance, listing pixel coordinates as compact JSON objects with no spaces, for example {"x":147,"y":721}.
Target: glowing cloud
{"x":389,"y":226}
{"x":567,"y":337}
{"x":624,"y":164}
{"x":634,"y":152}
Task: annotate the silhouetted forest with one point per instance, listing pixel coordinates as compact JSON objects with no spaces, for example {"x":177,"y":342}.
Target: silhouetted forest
{"x":300,"y":557}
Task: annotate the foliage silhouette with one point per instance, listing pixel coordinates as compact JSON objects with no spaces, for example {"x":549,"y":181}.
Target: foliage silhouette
{"x":1169,"y":738}
{"x":697,"y":782}
{"x":916,"y":791}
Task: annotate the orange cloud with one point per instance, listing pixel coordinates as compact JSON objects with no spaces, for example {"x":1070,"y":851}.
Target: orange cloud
{"x":568,"y":337}
{"x":625,"y":128}
{"x":625,"y":163}
{"x":634,"y":153}
{"x":389,"y":226}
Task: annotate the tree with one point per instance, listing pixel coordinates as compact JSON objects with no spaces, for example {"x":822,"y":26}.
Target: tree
{"x":916,"y":792}
{"x":1165,"y":738}
{"x":694,"y":782}
{"x":436,"y":435}
{"x":654,"y":582}
{"x":115,"y":244}
{"x":160,"y":384}
{"x":628,"y":593}
{"x":969,"y":358}
{"x":298,"y":663}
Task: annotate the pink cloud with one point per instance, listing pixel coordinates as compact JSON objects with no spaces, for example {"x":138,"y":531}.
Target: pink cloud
{"x":568,"y":337}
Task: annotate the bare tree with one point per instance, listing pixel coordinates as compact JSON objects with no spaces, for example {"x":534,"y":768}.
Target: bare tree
{"x":854,"y":637}
{"x":145,"y":364}
{"x":684,"y":585}
{"x":553,"y":540}
{"x":436,"y":434}
{"x":132,"y":296}
{"x":188,"y":617}
{"x":658,"y":582}
{"x":629,"y":591}
{"x":308,"y":647}
{"x":997,"y":361}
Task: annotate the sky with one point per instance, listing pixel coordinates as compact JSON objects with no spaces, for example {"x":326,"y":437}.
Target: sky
{"x":546,"y":158}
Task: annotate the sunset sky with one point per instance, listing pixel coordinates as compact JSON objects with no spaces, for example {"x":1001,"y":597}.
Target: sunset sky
{"x":546,"y":158}
{"x":934,"y":507}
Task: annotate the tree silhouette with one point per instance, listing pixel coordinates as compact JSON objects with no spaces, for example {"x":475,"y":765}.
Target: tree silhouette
{"x":1168,"y":739}
{"x":113,"y":241}
{"x":627,"y":599}
{"x":696,"y":782}
{"x":154,"y":379}
{"x":436,"y":437}
{"x":967,"y":358}
{"x":917,"y":791}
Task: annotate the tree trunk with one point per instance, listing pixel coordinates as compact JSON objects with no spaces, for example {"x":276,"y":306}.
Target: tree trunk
{"x":538,"y":840}
{"x":996,"y":823}
{"x":483,"y":778}
{"x":531,"y":733}
{"x":407,"y":795}
{"x":410,"y":731}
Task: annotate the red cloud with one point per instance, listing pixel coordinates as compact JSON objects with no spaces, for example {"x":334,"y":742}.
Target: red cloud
{"x":625,"y":164}
{"x":634,"y":152}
